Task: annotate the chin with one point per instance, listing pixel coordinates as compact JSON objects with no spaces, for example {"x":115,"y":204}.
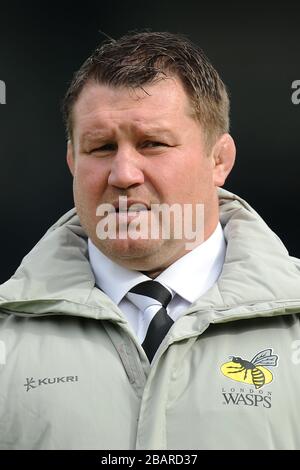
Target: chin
{"x":129,"y":250}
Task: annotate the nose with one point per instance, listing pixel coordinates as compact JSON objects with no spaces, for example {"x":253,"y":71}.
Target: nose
{"x":126,"y":169}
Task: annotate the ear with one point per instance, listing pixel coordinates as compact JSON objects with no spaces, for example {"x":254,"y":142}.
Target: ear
{"x":70,"y":157}
{"x":223,"y":155}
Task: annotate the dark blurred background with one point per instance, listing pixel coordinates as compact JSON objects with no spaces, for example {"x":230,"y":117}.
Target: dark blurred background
{"x":254,"y":46}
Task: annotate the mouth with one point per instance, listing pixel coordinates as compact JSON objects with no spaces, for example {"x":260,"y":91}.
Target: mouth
{"x":130,"y":206}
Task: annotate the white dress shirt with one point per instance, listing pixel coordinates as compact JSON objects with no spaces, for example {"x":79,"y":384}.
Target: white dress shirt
{"x":188,"y":278}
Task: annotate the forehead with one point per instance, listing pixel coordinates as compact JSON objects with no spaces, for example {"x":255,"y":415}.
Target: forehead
{"x":160,"y":104}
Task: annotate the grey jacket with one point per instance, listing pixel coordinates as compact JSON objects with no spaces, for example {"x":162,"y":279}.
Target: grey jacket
{"x":227,"y":375}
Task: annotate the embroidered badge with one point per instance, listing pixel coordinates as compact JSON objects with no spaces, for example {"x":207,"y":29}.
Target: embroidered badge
{"x":255,"y":372}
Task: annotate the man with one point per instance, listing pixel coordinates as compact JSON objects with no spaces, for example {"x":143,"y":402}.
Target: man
{"x":114,"y":338}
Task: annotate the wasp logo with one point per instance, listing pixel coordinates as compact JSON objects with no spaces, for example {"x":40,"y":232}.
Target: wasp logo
{"x":251,"y":372}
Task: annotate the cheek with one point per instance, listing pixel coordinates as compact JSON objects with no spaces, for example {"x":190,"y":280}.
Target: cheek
{"x":191,"y":178}
{"x":89,"y":181}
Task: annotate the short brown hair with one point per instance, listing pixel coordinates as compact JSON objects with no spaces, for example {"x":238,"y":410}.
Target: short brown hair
{"x":140,"y":58}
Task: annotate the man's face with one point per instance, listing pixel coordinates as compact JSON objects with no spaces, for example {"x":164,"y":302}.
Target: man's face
{"x":148,"y":147}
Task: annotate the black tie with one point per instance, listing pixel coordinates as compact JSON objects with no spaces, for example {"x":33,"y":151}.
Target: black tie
{"x":149,"y":293}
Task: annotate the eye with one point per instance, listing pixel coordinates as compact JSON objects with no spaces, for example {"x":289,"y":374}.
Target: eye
{"x":153,"y":143}
{"x":105,"y":148}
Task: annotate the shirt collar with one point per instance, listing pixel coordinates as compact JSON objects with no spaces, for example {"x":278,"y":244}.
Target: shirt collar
{"x":190,"y":276}
{"x":193,"y":274}
{"x":113,"y":279}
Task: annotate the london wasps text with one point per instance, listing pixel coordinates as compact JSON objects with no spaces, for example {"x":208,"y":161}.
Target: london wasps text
{"x":247,"y":398}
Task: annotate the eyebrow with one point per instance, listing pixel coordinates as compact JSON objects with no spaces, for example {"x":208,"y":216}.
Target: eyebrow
{"x":93,"y":135}
{"x":150,"y":131}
